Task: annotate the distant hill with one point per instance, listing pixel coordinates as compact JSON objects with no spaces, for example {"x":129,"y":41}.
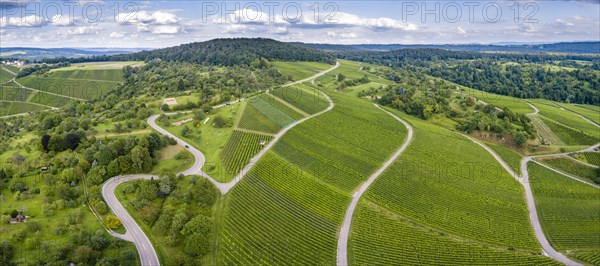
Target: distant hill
{"x":565,"y":47}
{"x":36,"y":54}
{"x":229,"y":52}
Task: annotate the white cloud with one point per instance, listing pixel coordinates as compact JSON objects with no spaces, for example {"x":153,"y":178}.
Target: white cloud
{"x":165,"y":29}
{"x":563,"y":22}
{"x":341,"y":19}
{"x":280,"y":30}
{"x":60,"y":20}
{"x":347,"y":19}
{"x":159,"y":17}
{"x":27,"y":21}
{"x":83,"y":30}
{"x":461,"y":31}
{"x":350,"y":35}
{"x":115,"y":34}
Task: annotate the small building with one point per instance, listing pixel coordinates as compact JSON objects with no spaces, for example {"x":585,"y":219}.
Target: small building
{"x":20,"y":218}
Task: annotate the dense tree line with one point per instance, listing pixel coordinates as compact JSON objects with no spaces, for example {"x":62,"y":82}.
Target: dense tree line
{"x":524,"y":81}
{"x":527,"y":75}
{"x":221,"y":52}
{"x":215,"y":85}
{"x":178,"y":210}
{"x":419,"y":95}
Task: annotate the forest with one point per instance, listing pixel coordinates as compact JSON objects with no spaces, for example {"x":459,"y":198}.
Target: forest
{"x":220,"y":52}
{"x":554,"y":77}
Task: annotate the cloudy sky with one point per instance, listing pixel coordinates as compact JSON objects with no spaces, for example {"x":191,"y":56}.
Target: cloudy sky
{"x":149,"y":24}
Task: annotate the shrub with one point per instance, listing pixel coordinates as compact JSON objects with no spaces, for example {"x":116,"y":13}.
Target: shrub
{"x":112,"y":222}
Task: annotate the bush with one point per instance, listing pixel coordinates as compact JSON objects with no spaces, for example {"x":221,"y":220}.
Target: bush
{"x":48,"y":209}
{"x":112,"y":222}
{"x":5,"y":219}
{"x":101,"y":207}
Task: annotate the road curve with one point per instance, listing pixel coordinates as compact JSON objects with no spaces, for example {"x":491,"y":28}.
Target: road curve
{"x":533,"y":215}
{"x":134,"y":233}
{"x":342,"y":247}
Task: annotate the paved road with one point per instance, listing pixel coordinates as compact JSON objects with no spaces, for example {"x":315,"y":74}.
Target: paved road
{"x":134,"y":233}
{"x":524,"y":180}
{"x":342,"y":247}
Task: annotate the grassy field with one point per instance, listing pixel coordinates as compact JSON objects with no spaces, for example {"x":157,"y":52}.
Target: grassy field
{"x":300,"y":70}
{"x":568,"y":212}
{"x":501,"y":101}
{"x":572,"y":167}
{"x":546,"y":135}
{"x":173,"y":159}
{"x":210,"y":140}
{"x":350,"y":69}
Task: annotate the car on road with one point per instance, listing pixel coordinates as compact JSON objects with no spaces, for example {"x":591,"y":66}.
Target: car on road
{"x":187,"y":147}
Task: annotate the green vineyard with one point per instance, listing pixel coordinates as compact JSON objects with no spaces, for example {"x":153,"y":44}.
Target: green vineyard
{"x":240,"y":148}
{"x":592,"y":158}
{"x":263,"y":224}
{"x":380,"y":237}
{"x":5,"y":76}
{"x":568,"y":212}
{"x":460,"y":191}
{"x":89,"y":74}
{"x":254,"y":120}
{"x":281,"y":106}
{"x":572,"y":167}
{"x":303,"y":97}
{"x":82,"y":89}
{"x":345,"y":145}
{"x":280,"y":118}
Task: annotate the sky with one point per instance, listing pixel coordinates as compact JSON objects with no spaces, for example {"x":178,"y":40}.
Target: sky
{"x":155,"y":24}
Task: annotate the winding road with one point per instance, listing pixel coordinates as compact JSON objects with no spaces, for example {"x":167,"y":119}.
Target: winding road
{"x":342,"y":248}
{"x":134,"y":233}
{"x":524,"y":180}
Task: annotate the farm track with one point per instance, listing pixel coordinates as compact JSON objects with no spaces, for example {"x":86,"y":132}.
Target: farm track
{"x":51,"y":93}
{"x":134,"y":232}
{"x":342,"y":248}
{"x":524,"y":180}
{"x":9,"y":71}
